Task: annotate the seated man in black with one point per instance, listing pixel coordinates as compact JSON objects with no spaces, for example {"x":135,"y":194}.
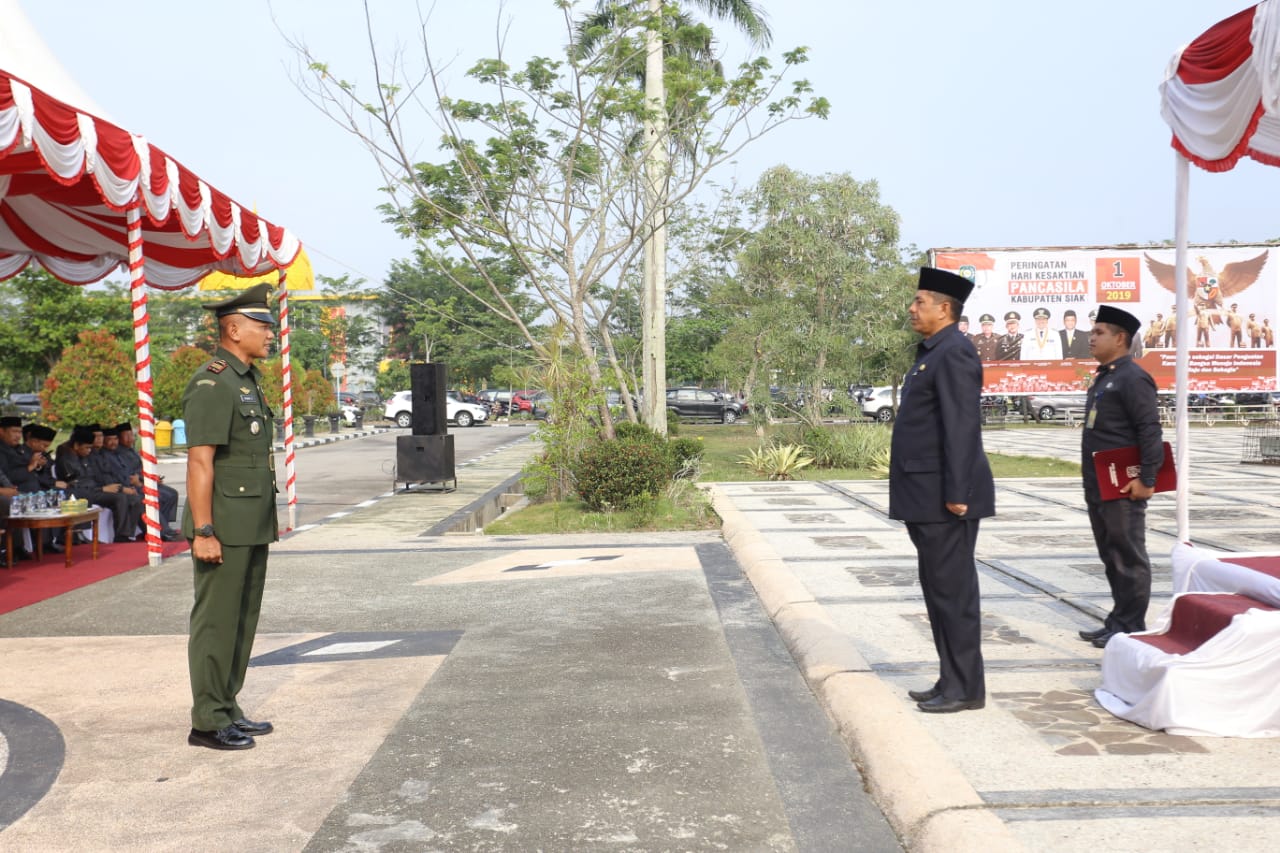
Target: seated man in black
{"x":118,"y":444}
{"x":34,"y":470}
{"x":85,"y":481}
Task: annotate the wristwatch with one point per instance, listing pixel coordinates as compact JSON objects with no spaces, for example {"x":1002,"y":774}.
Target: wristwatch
{"x":205,"y":530}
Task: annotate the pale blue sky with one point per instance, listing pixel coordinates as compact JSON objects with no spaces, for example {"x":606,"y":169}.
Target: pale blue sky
{"x":989,"y":123}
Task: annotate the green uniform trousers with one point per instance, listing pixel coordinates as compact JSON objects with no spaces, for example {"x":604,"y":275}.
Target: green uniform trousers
{"x":224,"y":619}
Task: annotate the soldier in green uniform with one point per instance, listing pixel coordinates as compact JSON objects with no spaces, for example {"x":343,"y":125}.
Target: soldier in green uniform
{"x":230,"y":517}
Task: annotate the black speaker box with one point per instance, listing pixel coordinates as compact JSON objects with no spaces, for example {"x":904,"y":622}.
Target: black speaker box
{"x":429,"y":384}
{"x":424,"y":458}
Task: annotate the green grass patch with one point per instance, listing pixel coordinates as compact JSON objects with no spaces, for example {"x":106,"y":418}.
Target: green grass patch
{"x":724,"y":446}
{"x":690,"y":513}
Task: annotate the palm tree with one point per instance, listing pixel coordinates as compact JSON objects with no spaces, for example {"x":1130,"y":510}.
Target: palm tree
{"x":749,"y":18}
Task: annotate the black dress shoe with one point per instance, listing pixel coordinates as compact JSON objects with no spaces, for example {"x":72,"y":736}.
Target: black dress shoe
{"x":943,"y":705}
{"x":54,"y":548}
{"x":1093,"y":635}
{"x":1100,"y":641}
{"x":924,"y":695}
{"x":252,"y":729}
{"x":227,"y":737}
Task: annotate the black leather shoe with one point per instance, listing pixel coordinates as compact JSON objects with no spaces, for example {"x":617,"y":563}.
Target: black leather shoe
{"x":252,"y":729}
{"x":924,"y":695}
{"x":1100,"y":641}
{"x":227,"y":737}
{"x":943,"y":705}
{"x":1090,"y":636}
{"x":54,"y":548}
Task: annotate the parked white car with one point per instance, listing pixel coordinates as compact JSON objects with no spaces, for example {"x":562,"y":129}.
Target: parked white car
{"x":400,"y":409}
{"x":878,"y":404}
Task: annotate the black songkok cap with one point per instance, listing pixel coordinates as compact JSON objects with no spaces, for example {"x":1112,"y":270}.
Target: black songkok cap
{"x":82,"y":435}
{"x":946,"y":283}
{"x":124,"y":427}
{"x":1118,"y":317}
{"x":10,"y":421}
{"x":44,"y":433}
{"x":109,"y":432}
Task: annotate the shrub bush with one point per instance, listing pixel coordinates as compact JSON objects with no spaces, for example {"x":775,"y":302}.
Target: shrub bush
{"x":613,"y":474}
{"x":632,"y":431}
{"x":862,"y":446}
{"x":683,"y":450}
{"x":673,"y":423}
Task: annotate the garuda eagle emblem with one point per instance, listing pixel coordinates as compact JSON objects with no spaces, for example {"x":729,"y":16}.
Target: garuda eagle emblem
{"x":1208,"y":289}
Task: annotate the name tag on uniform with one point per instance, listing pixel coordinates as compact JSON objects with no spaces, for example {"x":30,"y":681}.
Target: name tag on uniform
{"x":248,"y":398}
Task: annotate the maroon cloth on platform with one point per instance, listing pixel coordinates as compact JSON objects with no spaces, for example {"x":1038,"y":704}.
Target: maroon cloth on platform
{"x":1197,"y":618}
{"x":1268,"y":565}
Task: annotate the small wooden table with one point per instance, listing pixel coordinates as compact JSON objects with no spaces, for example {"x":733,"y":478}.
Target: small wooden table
{"x":66,"y":521}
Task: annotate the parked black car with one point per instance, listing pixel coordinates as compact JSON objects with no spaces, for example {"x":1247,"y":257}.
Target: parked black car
{"x":701,"y":404}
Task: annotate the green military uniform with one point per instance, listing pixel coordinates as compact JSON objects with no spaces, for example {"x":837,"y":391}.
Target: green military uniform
{"x":223,"y":407}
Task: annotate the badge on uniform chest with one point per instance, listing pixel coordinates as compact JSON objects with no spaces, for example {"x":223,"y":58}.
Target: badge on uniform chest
{"x":255,"y":427}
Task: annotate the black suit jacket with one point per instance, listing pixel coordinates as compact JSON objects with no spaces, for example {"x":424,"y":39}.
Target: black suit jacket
{"x":937,"y":456}
{"x":1079,"y":346}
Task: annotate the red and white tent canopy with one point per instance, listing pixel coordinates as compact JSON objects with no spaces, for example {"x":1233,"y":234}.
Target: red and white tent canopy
{"x":67,"y":179}
{"x":81,"y":196}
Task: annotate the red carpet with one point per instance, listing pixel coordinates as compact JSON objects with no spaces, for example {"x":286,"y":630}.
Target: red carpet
{"x":29,"y":582}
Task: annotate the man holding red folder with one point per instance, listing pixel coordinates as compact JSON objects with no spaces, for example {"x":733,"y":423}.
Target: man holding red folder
{"x":1121,"y":411}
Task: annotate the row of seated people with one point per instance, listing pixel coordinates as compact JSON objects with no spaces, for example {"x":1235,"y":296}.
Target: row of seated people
{"x":100,"y":465}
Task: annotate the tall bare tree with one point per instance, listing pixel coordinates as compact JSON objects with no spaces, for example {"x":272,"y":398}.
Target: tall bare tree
{"x":542,"y":176}
{"x":666,"y":28}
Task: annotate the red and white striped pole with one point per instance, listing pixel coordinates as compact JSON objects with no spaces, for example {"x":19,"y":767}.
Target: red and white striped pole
{"x":286,"y":371}
{"x":142,"y":374}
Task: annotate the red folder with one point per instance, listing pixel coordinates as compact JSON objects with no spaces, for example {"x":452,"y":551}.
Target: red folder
{"x":1117,"y":467}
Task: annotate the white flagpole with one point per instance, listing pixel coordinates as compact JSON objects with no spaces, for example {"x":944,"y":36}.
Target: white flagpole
{"x":1182,"y":370}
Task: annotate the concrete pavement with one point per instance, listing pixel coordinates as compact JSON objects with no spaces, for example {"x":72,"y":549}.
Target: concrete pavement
{"x":433,"y":691}
{"x":1043,"y":767}
{"x":444,"y":691}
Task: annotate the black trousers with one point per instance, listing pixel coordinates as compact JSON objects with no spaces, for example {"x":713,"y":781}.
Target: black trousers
{"x":949,"y":579}
{"x":1120,"y":532}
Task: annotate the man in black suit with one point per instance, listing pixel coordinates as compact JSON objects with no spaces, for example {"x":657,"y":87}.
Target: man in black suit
{"x":940,"y":484}
{"x":1075,"y":343}
{"x":1121,"y":410}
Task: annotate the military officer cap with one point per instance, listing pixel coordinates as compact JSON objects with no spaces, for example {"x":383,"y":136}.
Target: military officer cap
{"x":1068,"y":313}
{"x":964,"y":318}
{"x":946,"y":283}
{"x":986,"y":318}
{"x":10,"y":421}
{"x":1118,"y":317}
{"x":252,"y":303}
{"x":1012,"y":315}
{"x":1041,"y":313}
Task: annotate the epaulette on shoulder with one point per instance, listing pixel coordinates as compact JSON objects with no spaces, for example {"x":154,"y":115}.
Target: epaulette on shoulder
{"x":217,"y":365}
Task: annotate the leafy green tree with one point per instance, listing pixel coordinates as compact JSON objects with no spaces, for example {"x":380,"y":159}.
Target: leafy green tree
{"x":821,"y":289}
{"x":540,"y":172}
{"x":432,"y":319}
{"x":172,"y":375}
{"x":93,"y":382}
{"x":40,"y":317}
